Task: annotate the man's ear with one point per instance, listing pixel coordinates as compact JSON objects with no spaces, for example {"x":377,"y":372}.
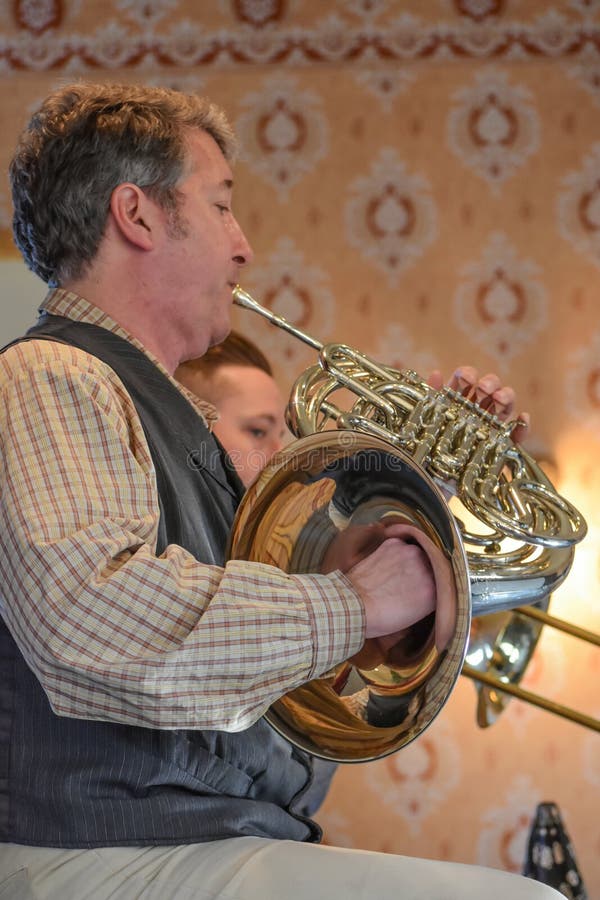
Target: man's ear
{"x":134,"y":215}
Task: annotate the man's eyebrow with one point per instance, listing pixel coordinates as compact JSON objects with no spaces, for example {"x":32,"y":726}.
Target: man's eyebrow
{"x":227,"y":183}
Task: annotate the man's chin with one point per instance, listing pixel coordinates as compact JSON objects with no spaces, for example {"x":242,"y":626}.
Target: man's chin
{"x":219,"y":334}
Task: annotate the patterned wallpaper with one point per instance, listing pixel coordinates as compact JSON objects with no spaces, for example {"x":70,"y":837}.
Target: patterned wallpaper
{"x":420,"y":179}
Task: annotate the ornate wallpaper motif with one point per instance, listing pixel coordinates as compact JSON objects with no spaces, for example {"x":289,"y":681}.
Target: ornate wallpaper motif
{"x":291,"y":287}
{"x":242,"y":32}
{"x":420,"y":180}
{"x":583,"y":382}
{"x":579,"y":206}
{"x":385,"y":85}
{"x":390,"y":215}
{"x":397,"y":347}
{"x":417,"y":780}
{"x":501,"y":303}
{"x":283,"y":131}
{"x":493,"y":127}
{"x":505,"y":826}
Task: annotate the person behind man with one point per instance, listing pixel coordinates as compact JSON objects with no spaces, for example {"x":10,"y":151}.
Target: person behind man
{"x":136,"y":665}
{"x":236,"y":378}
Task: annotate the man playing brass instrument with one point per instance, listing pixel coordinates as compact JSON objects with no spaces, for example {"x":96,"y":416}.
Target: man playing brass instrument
{"x":137,"y":664}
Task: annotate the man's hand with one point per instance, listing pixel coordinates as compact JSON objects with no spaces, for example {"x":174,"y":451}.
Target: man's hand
{"x":488,"y":392}
{"x":396,"y":585}
{"x":393,"y":578}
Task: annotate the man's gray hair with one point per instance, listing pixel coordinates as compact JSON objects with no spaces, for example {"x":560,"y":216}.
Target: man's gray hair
{"x":84,"y":141}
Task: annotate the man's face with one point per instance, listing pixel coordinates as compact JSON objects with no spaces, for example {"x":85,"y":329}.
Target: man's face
{"x":204,"y":249}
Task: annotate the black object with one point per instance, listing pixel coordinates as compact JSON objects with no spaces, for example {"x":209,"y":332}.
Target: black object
{"x":550,"y":857}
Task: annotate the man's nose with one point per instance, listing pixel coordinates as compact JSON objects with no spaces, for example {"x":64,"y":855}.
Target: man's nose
{"x":243,"y":252}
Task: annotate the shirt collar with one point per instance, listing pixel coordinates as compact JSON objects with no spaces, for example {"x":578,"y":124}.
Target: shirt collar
{"x":59,"y":302}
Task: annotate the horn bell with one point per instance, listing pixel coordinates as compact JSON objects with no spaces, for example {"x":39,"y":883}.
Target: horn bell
{"x":306,"y":495}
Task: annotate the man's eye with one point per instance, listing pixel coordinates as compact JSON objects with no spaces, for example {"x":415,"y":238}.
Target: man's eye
{"x":258,"y":433}
{"x":222,"y":208}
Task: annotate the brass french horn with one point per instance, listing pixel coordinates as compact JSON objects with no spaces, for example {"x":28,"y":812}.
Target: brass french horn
{"x":432,"y":459}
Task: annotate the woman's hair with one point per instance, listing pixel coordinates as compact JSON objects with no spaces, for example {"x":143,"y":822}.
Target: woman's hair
{"x":84,"y":141}
{"x":235,"y":350}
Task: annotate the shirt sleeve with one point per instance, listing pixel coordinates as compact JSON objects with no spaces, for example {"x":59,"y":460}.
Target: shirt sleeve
{"x":112,"y":631}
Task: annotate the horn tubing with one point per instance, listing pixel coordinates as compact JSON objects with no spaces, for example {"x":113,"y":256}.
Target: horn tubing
{"x":560,"y":624}
{"x":241,"y":298}
{"x":529,"y":697}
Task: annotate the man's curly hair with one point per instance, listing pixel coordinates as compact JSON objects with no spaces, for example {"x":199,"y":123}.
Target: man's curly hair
{"x":84,"y":141}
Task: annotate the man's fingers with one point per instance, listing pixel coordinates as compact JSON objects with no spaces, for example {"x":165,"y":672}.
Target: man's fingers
{"x":436,"y":380}
{"x":463,"y":380}
{"x":490,"y":394}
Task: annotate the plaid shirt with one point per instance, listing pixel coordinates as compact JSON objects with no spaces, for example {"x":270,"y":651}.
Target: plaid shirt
{"x":112,"y":631}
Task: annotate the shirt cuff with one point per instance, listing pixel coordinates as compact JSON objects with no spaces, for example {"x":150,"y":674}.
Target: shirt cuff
{"x":338,"y":620}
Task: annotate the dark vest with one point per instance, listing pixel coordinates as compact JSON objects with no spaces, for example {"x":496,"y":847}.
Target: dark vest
{"x":75,"y":783}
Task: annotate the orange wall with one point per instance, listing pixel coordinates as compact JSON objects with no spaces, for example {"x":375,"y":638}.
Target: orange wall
{"x":420,"y":180}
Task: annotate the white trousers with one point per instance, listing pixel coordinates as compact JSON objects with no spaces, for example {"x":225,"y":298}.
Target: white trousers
{"x":248,"y":868}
